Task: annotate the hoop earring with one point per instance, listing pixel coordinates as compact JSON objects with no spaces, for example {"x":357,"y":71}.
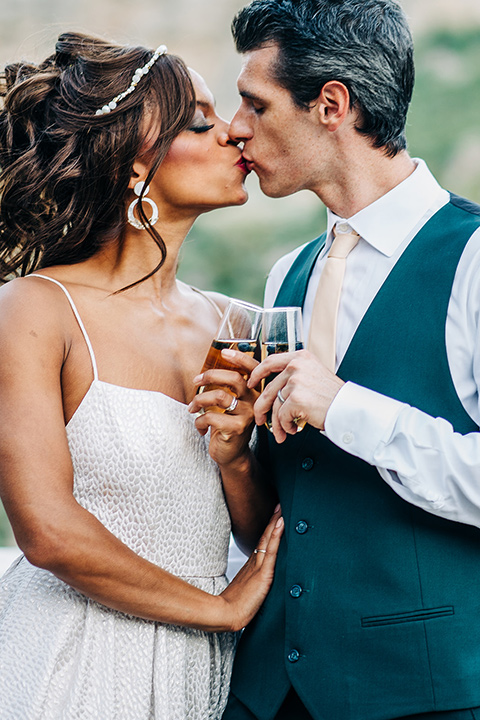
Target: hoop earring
{"x":131,"y":217}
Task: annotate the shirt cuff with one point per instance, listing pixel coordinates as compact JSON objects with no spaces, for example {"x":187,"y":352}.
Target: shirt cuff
{"x":360,"y":419}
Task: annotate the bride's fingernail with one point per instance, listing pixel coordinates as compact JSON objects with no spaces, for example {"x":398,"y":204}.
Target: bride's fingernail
{"x":279,"y":522}
{"x":228,"y":353}
{"x":277,"y":508}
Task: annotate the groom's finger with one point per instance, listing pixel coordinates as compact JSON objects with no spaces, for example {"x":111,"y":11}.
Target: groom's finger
{"x":277,"y":429}
{"x":272,"y":364}
{"x":265,"y":401}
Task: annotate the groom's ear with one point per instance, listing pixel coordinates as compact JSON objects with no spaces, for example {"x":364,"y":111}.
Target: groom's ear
{"x":333,"y":105}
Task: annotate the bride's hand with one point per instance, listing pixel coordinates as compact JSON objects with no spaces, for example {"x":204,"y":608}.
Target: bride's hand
{"x":251,"y":584}
{"x":230,"y":428}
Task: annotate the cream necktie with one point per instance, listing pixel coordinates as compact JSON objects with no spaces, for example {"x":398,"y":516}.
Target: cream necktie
{"x":322,"y":340}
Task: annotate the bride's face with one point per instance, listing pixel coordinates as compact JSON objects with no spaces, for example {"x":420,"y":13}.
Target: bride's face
{"x":203,"y":169}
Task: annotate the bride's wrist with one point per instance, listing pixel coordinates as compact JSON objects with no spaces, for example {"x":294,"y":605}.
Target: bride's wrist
{"x":239,"y":464}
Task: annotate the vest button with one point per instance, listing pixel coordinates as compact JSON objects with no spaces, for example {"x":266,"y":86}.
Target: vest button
{"x":296,"y":591}
{"x":293,"y":656}
{"x":307,"y":463}
{"x":301,"y":527}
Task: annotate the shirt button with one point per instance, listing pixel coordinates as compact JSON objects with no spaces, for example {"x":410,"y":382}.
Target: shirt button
{"x":307,"y":463}
{"x":343,"y":227}
{"x":293,"y":656}
{"x":348,"y":438}
{"x":295,"y":591}
{"x":301,"y":527}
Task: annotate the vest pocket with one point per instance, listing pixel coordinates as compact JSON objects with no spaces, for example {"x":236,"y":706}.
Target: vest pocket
{"x":407,"y":617}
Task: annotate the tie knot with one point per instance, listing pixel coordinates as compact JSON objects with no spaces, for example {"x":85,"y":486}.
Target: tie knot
{"x":343,"y":243}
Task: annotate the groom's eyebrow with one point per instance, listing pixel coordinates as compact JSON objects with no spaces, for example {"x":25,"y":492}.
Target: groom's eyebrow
{"x":250,"y":96}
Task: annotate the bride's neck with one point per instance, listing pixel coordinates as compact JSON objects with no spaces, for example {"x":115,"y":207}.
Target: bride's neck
{"x":125,"y":262}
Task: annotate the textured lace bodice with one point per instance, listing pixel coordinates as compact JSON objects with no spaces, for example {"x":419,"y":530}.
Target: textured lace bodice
{"x":143,"y":470}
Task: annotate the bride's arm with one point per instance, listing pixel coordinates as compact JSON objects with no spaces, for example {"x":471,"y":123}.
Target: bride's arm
{"x":250,"y":497}
{"x":36,"y":485}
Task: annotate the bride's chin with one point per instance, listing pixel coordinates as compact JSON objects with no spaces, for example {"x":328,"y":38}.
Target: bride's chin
{"x":242,"y":196}
{"x":234,"y":196}
{"x":239,"y":199}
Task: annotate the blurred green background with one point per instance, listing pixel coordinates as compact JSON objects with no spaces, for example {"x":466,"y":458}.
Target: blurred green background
{"x":232,"y":250}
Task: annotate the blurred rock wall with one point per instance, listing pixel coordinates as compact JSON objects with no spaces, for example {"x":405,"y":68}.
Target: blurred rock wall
{"x":198,"y":30}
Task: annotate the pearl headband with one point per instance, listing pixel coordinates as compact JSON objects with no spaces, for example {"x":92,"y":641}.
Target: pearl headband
{"x":137,"y":76}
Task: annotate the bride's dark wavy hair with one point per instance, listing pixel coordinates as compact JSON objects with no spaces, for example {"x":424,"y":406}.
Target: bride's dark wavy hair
{"x":64,"y":171}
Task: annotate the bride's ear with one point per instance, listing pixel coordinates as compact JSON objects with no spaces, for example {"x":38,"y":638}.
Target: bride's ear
{"x":140,"y":172}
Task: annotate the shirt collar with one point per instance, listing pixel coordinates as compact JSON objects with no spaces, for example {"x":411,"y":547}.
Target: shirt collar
{"x":386,"y":223}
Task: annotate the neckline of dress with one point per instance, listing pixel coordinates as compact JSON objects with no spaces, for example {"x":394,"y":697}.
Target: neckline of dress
{"x":97,"y":381}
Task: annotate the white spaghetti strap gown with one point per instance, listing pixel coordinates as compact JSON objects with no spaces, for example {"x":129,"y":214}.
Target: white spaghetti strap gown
{"x":144,"y":471}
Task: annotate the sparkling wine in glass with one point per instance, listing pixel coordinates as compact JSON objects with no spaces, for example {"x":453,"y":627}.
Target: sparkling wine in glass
{"x":239,"y":329}
{"x":282,"y":331}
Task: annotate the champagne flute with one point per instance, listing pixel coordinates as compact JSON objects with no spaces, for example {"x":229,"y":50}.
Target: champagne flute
{"x":239,"y":329}
{"x":282,"y":331}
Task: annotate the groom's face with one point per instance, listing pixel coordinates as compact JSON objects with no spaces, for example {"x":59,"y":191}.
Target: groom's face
{"x":278,"y":136}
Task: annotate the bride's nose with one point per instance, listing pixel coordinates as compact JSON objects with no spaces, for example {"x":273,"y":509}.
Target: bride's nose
{"x":223,"y":136}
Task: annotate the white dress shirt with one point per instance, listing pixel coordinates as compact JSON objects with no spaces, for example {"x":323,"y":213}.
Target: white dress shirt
{"x":419,"y":456}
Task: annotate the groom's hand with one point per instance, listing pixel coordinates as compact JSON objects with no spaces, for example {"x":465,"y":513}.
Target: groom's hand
{"x":305,"y":385}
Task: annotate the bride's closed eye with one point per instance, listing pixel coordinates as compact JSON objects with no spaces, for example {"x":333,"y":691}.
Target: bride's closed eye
{"x":200,"y":128}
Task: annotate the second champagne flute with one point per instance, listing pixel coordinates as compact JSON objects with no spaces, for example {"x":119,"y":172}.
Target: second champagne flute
{"x":282,"y":331}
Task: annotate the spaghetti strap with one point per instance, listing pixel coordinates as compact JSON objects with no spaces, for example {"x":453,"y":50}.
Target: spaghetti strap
{"x":78,"y":318}
{"x":208,"y":299}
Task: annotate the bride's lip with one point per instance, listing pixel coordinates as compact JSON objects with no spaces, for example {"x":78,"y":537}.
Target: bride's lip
{"x":243,"y":165}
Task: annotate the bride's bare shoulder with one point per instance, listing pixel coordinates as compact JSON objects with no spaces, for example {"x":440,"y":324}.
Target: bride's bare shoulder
{"x":218,"y":299}
{"x":29,"y":302}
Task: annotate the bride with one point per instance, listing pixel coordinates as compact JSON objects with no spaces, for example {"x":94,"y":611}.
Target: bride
{"x":118,"y":608}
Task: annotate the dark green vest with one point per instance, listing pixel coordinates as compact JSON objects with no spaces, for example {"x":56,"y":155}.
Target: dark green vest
{"x":375,"y":608}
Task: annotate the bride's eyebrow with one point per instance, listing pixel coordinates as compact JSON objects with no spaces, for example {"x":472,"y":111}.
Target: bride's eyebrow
{"x":205,"y":105}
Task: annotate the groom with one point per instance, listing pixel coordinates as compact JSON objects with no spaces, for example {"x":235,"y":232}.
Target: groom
{"x":374,"y":613}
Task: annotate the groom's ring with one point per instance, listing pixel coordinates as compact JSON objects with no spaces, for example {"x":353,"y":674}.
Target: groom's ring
{"x":280,"y":397}
{"x":257,"y":550}
{"x":232,"y":405}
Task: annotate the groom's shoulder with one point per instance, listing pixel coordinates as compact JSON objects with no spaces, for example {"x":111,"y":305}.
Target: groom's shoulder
{"x":465,"y":204}
{"x":284,"y":263}
{"x":280,"y":270}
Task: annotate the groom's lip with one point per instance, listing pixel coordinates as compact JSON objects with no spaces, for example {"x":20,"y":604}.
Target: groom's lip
{"x":249,"y":163}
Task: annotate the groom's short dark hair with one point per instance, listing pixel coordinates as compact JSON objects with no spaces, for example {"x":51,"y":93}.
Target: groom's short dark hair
{"x":365,"y":44}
